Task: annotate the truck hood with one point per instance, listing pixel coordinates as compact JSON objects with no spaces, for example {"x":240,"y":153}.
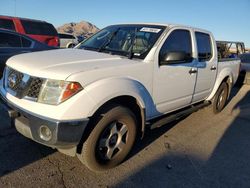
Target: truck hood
{"x":60,"y":64}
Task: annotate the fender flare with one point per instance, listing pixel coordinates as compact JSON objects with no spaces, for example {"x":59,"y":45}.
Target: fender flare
{"x":226,"y":73}
{"x":107,"y":89}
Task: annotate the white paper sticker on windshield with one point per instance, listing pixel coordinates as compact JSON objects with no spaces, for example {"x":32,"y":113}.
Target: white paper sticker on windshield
{"x":151,"y":30}
{"x":137,"y":54}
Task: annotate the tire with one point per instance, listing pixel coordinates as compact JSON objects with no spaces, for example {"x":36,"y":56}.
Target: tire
{"x":110,"y":141}
{"x":220,"y":98}
{"x":71,"y":45}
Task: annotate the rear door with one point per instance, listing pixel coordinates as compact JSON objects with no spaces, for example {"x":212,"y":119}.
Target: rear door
{"x":206,"y":65}
{"x":174,"y":83}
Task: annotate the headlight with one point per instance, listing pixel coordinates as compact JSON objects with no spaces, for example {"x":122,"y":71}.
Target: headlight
{"x":55,"y":91}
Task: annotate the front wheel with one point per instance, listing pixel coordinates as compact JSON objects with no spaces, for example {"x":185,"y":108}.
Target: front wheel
{"x":111,"y":139}
{"x":220,"y":98}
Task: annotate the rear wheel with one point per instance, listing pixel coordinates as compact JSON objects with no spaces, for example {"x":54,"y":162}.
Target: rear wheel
{"x":220,"y":98}
{"x":71,"y":45}
{"x":111,"y":139}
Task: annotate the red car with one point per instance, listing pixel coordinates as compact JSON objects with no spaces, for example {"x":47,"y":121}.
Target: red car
{"x":39,"y":30}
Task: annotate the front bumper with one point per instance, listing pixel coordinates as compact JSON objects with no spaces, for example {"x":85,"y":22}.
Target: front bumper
{"x":64,"y":134}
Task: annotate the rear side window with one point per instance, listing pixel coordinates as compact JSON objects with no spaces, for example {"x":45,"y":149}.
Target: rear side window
{"x":204,"y":46}
{"x":38,"y":28}
{"x":9,"y":40}
{"x":25,"y":42}
{"x":7,"y":24}
{"x":178,"y":41}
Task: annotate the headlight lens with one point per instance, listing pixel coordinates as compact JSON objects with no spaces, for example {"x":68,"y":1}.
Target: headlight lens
{"x":56,"y":91}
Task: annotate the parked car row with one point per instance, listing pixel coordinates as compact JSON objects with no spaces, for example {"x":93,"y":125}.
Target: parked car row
{"x":245,"y":68}
{"x":36,"y":29}
{"x":69,"y":40}
{"x":22,"y":35}
{"x":13,"y":43}
{"x":41,"y":31}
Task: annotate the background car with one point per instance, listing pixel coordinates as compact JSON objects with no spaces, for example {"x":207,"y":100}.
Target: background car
{"x":81,"y":38}
{"x":67,"y":40}
{"x":245,"y":62}
{"x":245,"y":67}
{"x":12,"y":43}
{"x":39,"y":30}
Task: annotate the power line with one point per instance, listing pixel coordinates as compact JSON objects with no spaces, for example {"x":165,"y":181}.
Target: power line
{"x":15,"y":7}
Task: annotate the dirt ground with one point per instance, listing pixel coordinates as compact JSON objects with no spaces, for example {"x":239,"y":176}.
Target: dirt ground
{"x":202,"y":150}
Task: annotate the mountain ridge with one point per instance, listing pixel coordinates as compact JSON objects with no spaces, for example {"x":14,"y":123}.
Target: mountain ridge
{"x":82,"y":28}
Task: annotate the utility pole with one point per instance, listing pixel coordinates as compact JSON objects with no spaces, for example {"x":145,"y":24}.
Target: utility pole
{"x":15,"y":7}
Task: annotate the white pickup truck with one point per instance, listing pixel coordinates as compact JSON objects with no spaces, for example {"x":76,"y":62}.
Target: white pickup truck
{"x":95,"y":100}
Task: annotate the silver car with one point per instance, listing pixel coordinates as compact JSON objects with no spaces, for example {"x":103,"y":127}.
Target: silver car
{"x":67,"y":40}
{"x":245,"y":67}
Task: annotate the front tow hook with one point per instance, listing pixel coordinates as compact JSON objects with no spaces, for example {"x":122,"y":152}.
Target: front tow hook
{"x":13,"y":115}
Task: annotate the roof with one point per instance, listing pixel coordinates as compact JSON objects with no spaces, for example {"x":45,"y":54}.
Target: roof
{"x":162,"y":24}
{"x":11,"y":17}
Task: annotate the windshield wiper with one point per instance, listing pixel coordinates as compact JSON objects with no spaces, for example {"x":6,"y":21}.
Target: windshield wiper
{"x":108,"y":41}
{"x":131,"y":54}
{"x":88,"y":48}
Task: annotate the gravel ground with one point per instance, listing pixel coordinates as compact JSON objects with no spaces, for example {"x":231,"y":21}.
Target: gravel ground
{"x":202,"y":150}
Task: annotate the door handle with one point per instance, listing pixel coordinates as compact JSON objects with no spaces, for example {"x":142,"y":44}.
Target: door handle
{"x":213,"y":68}
{"x":192,"y":71}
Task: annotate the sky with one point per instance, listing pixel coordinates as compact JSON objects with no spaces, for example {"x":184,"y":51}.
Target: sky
{"x":227,"y":19}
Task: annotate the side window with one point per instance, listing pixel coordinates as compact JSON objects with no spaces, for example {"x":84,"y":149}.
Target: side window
{"x":9,"y":40}
{"x":7,"y":24}
{"x":60,"y":35}
{"x":65,"y":36}
{"x":204,"y":46}
{"x":38,"y":28}
{"x":178,"y":41}
{"x":25,"y":42}
{"x":71,"y":37}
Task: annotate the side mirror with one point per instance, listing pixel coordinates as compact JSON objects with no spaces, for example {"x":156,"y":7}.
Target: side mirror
{"x":175,"y":57}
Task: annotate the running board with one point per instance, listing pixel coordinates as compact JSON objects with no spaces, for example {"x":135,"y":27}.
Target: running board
{"x":177,"y":115}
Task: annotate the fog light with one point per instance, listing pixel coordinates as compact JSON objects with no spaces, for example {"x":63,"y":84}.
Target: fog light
{"x":45,"y":133}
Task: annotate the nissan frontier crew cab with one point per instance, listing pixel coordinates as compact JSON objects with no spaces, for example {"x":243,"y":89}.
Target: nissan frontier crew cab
{"x":95,"y":100}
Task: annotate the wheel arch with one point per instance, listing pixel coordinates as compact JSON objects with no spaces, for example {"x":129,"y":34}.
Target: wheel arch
{"x":224,"y":77}
{"x":69,"y":43}
{"x":127,"y":92}
{"x":127,"y":101}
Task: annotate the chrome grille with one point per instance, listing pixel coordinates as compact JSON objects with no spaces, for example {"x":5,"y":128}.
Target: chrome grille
{"x":35,"y":87}
{"x":21,"y":85}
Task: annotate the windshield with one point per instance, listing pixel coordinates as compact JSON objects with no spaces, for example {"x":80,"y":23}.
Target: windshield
{"x":127,"y":40}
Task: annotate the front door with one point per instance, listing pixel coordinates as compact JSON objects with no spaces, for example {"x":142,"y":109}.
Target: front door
{"x":174,"y":82}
